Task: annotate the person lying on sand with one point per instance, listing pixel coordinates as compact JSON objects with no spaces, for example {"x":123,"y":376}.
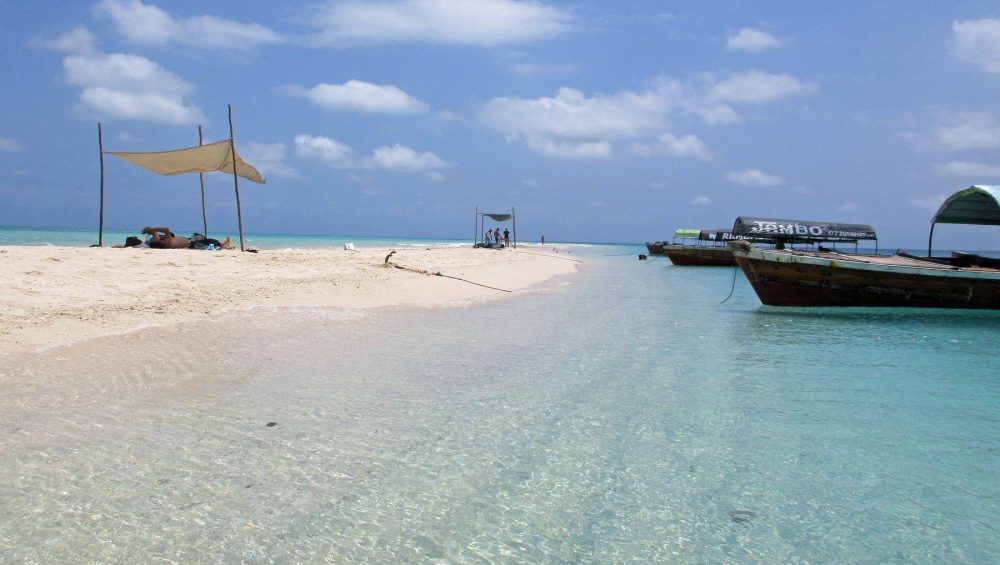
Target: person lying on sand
{"x":163,"y":238}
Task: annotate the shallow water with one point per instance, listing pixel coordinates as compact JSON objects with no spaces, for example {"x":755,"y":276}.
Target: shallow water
{"x":620,"y":414}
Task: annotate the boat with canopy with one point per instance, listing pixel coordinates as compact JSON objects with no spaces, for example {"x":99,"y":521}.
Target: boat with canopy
{"x":829,"y":278}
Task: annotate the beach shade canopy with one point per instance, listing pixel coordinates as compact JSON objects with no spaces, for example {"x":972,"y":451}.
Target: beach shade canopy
{"x":215,"y":156}
{"x":498,"y":217}
{"x":978,"y":204}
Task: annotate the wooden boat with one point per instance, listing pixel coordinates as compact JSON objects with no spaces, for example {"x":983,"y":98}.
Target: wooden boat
{"x":655,"y":247}
{"x":700,"y":248}
{"x":800,"y":278}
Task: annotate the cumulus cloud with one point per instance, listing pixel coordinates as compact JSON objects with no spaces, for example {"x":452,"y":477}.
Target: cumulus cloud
{"x":389,"y":158}
{"x":573,"y":125}
{"x":401,"y":158}
{"x":325,"y":150}
{"x":753,"y":177}
{"x":756,"y":87}
{"x":970,"y":170}
{"x":464,"y":22}
{"x":977,"y":42}
{"x":355,"y":95}
{"x":701,"y":201}
{"x":570,"y":125}
{"x":751,"y":39}
{"x":145,"y":24}
{"x":968,"y":130}
{"x":129,"y":87}
{"x":9,"y":144}
{"x":270,"y":159}
{"x":77,"y":41}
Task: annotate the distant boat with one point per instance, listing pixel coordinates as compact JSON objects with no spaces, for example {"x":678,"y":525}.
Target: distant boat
{"x":707,"y":248}
{"x":828,"y":278}
{"x":655,"y":247}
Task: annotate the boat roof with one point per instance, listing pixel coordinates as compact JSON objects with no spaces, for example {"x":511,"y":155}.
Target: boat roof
{"x":802,"y":230}
{"x":979,"y":204}
{"x":685,"y":233}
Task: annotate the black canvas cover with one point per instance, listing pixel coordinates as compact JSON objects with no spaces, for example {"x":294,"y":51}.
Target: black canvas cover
{"x":801,"y":230}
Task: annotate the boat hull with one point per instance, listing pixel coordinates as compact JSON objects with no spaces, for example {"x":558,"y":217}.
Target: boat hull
{"x":654,"y":248}
{"x":782,"y":278}
{"x":699,"y":255}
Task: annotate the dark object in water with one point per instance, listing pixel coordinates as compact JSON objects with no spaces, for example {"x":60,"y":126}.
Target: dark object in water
{"x":642,"y":257}
{"x":742,"y":516}
{"x":272,"y":424}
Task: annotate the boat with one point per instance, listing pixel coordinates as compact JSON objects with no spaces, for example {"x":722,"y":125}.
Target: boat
{"x":788,"y":277}
{"x":655,"y":247}
{"x":702,"y":248}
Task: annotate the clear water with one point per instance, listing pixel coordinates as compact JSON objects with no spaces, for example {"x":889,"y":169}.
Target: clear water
{"x":72,"y":237}
{"x":622,"y":414}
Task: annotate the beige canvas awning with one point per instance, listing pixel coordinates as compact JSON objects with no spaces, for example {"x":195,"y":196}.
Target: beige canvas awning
{"x":215,"y":156}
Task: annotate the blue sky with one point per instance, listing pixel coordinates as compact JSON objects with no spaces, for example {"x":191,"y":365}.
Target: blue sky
{"x":598,"y":121}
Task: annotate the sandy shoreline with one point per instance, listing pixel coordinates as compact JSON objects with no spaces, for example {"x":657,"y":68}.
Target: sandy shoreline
{"x":60,"y":295}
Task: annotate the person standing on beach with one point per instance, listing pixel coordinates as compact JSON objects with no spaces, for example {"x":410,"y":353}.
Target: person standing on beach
{"x":489,"y":236}
{"x":543,"y":240}
{"x":496,"y":234}
{"x":506,"y":237}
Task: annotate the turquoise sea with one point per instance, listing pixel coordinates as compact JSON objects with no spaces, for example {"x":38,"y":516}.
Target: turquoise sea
{"x":622,"y":414}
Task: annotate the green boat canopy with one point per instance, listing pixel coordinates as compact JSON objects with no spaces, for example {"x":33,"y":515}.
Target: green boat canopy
{"x":978,"y":204}
{"x":687,"y":234}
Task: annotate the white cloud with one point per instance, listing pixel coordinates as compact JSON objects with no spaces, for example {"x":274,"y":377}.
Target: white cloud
{"x":270,"y":159}
{"x":537,"y":70}
{"x":750,"y":39}
{"x":9,"y":144}
{"x":573,"y":125}
{"x":361,"y":96}
{"x":928,"y":202}
{"x":388,"y":158}
{"x":970,"y":130}
{"x":753,"y":177}
{"x":847,"y":207}
{"x":701,"y":201}
{"x":129,"y":87}
{"x":401,"y":158}
{"x":977,"y":42}
{"x":145,"y":24}
{"x":756,"y":87}
{"x":464,"y":22}
{"x":78,"y":41}
{"x":683,"y":146}
{"x":530,"y":183}
{"x":325,"y":150}
{"x":970,"y":170}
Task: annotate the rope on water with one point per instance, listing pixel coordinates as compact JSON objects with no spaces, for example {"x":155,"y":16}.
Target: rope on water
{"x":733,"y":287}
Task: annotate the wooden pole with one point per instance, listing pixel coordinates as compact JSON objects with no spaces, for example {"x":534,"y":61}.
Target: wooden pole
{"x":475,"y":240}
{"x":513,"y":221}
{"x":930,"y":240}
{"x":100,"y":223}
{"x":201,"y":179}
{"x":236,"y":183}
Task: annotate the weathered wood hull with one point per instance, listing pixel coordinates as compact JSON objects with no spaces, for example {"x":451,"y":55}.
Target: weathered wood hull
{"x":783,"y":278}
{"x":654,"y":247}
{"x":699,"y":255}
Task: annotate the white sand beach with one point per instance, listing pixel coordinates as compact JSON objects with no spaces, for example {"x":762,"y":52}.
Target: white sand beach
{"x":60,"y":295}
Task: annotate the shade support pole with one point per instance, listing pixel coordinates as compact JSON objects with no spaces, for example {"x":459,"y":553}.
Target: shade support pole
{"x":513,"y":221}
{"x":201,"y":180}
{"x":930,"y":239}
{"x":475,"y":240}
{"x":100,"y":221}
{"x":236,"y":182}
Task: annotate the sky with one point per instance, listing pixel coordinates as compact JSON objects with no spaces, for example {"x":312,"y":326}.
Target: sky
{"x":597,"y":121}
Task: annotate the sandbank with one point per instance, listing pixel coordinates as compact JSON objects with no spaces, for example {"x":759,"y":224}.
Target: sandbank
{"x":60,"y":295}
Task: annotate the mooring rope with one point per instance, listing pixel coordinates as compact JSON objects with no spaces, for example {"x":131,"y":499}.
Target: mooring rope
{"x":437,"y":274}
{"x":552,"y":256}
{"x":733,"y":287}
